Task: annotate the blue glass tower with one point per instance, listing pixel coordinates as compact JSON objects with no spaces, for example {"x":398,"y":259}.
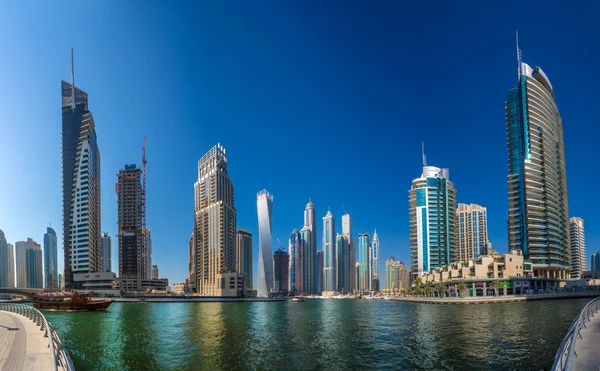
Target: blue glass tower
{"x":50,"y":259}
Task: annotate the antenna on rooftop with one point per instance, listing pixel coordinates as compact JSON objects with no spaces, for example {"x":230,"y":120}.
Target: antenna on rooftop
{"x":519,"y":57}
{"x":73,"y":79}
{"x":423,"y":153}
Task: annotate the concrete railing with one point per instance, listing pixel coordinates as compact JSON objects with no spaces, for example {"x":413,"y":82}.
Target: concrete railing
{"x":566,"y":352}
{"x":59,"y":355}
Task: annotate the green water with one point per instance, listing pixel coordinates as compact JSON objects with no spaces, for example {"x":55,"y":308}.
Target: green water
{"x":317,"y":335}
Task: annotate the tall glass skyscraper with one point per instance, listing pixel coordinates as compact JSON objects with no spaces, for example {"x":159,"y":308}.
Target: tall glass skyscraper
{"x":364,"y":262}
{"x":347,"y":234}
{"x":309,"y":235}
{"x":4,"y":261}
{"x":106,"y":244}
{"x":432,"y":205}
{"x":329,"y":266}
{"x":11,"y":265}
{"x":538,"y":204}
{"x":343,"y":271}
{"x":34,"y":268}
{"x":296,"y":270}
{"x":243,"y":260}
{"x":375,"y":262}
{"x":281,"y":263}
{"x":577,"y":237}
{"x":471,"y":232}
{"x":81,"y":185}
{"x":50,"y":259}
{"x":595,"y":264}
{"x":264,"y":206}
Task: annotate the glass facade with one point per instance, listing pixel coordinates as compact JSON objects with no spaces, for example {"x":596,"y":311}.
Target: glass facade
{"x":50,"y":259}
{"x":264,"y":205}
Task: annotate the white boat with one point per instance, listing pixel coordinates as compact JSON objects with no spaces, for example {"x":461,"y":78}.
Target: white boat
{"x":297,"y":299}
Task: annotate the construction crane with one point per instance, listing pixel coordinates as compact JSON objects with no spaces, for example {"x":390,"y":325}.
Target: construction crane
{"x":343,"y":208}
{"x":144,"y":252}
{"x":280,"y":244}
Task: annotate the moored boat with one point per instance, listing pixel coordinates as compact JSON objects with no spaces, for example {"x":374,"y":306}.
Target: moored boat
{"x":297,"y":299}
{"x":69,"y":301}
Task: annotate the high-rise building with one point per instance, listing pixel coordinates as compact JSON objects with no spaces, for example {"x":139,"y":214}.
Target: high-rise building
{"x":264,"y":206}
{"x":34,"y":267}
{"x":471,"y":232}
{"x":396,"y":275}
{"x":342,"y":262}
{"x":11,"y":265}
{"x":215,"y":222}
{"x":106,"y":244}
{"x":154,"y":272}
{"x":595,"y":263}
{"x":4,"y":262}
{"x":50,"y":259}
{"x":364,"y":263}
{"x":148,"y":254}
{"x":375,"y":262}
{"x":129,"y":201}
{"x":309,"y":236}
{"x":347,"y":234}
{"x":578,"y":258}
{"x":80,"y":185}
{"x":319,"y":269}
{"x":538,"y":204}
{"x":329,"y":257}
{"x":432,"y":205}
{"x":296,"y":270}
{"x":243,"y":260}
{"x":21,"y":263}
{"x":192,"y":262}
{"x":281,"y":266}
{"x":60,"y":281}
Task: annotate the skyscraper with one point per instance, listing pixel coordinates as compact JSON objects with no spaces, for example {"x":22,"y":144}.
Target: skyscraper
{"x":154,"y":272}
{"x":21,"y":263}
{"x":538,"y":204}
{"x":310,"y":244}
{"x":80,"y":185}
{"x":319,"y":272}
{"x":364,"y":262}
{"x":243,"y":261}
{"x":347,"y":234}
{"x":432,"y":205}
{"x":329,"y":257}
{"x":342,"y":262}
{"x":11,"y":265}
{"x":296,"y":270}
{"x":34,"y":268}
{"x":215,"y":222}
{"x":397,"y":276}
{"x":148,"y":254}
{"x":471,"y":232}
{"x":50,"y":259}
{"x":577,"y":237}
{"x":595,"y":262}
{"x":106,"y":244}
{"x":375,"y":262}
{"x":281,"y":274}
{"x":264,"y":206}
{"x":4,"y":261}
{"x":129,"y":201}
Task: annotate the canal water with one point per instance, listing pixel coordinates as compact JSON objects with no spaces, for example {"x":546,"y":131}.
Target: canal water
{"x":332,"y":334}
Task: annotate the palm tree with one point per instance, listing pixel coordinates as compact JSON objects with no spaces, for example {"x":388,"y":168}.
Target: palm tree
{"x":439,"y":288}
{"x":418,"y":281}
{"x":494,"y":285}
{"x":462,"y":287}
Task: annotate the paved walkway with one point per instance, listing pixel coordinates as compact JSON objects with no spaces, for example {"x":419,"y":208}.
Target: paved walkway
{"x":22,"y":344}
{"x":499,"y":298}
{"x":586,"y":347}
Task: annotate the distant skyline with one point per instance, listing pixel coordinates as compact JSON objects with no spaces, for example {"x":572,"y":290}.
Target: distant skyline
{"x":313,"y":100}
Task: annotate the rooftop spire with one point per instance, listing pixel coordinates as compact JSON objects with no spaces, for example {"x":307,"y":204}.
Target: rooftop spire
{"x":423,"y":153}
{"x":73,"y":79}
{"x":519,"y":57}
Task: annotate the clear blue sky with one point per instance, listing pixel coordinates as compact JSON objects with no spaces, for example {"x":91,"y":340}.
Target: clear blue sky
{"x":327,"y":100}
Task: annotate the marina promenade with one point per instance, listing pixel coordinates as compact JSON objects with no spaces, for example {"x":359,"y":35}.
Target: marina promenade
{"x":498,"y":298}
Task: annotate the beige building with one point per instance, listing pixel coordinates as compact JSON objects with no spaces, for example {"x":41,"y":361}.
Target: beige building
{"x":397,"y":276}
{"x":471,"y":231}
{"x":230,"y":284}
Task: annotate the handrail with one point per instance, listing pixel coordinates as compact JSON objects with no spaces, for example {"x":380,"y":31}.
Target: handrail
{"x":58,"y":353}
{"x":566,"y":352}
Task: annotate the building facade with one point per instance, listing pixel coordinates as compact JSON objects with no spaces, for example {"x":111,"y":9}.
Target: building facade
{"x":264,"y":206}
{"x":364,"y":262}
{"x":11,"y":265}
{"x":309,"y":236}
{"x":397,"y":276}
{"x":329,"y":255}
{"x":281,"y":261}
{"x":243,"y":250}
{"x":154,"y":274}
{"x":147,"y":254}
{"x":595,"y":263}
{"x":21,"y":262}
{"x":319,"y":274}
{"x":29,"y":264}
{"x":80,"y":185}
{"x":106,"y":244}
{"x":432,"y":206}
{"x":215,"y":221}
{"x":577,"y":242}
{"x":50,"y":259}
{"x":538,"y":215}
{"x":471,"y":232}
{"x":342,"y":262}
{"x":4,"y":262}
{"x":375,"y":262}
{"x":347,"y":234}
{"x":296,"y":269}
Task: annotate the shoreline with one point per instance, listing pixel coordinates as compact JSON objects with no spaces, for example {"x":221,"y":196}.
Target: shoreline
{"x":500,"y":298}
{"x":191,"y":300}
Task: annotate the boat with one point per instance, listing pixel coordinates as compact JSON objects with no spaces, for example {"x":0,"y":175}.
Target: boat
{"x":69,"y":301}
{"x":297,"y":299}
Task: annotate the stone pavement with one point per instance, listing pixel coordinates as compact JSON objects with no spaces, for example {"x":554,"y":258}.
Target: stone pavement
{"x":587,"y":347}
{"x":22,"y":344}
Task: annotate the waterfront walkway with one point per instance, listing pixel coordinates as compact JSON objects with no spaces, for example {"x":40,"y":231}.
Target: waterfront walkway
{"x":499,"y":298}
{"x":587,"y":346}
{"x":22,"y":344}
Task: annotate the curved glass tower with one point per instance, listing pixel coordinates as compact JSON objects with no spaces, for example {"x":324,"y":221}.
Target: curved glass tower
{"x":264,"y":206}
{"x":538,"y":209}
{"x":50,"y":259}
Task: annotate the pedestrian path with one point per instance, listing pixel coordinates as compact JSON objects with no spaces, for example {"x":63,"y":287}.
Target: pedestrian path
{"x":22,"y":344}
{"x":587,"y":346}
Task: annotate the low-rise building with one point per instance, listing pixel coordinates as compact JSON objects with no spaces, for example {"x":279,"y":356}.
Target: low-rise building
{"x":230,"y":284}
{"x":100,"y":282}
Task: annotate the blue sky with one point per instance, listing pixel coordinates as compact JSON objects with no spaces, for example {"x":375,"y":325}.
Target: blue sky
{"x":321,"y":100}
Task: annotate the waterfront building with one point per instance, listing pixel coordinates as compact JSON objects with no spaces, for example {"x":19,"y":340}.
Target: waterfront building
{"x":319,"y":274}
{"x":281,"y":271}
{"x":191,"y":278}
{"x":347,"y":234}
{"x":595,"y":262}
{"x":375,"y":262}
{"x":147,"y":254}
{"x":577,"y":242}
{"x":215,"y":221}
{"x":80,"y":185}
{"x":4,"y":261}
{"x":230,"y":284}
{"x":397,"y":276}
{"x":154,"y":274}
{"x":432,"y":206}
{"x":364,"y":262}
{"x":264,"y":206}
{"x":471,"y":232}
{"x":296,"y":270}
{"x":11,"y":265}
{"x":33,"y":265}
{"x":106,"y":282}
{"x":538,"y":204}
{"x":329,"y":266}
{"x":50,"y":259}
{"x":343,"y":273}
{"x":21,"y":262}
{"x":243,"y":260}
{"x":130,"y":229}
{"x":105,"y":242}
{"x":309,"y":236}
